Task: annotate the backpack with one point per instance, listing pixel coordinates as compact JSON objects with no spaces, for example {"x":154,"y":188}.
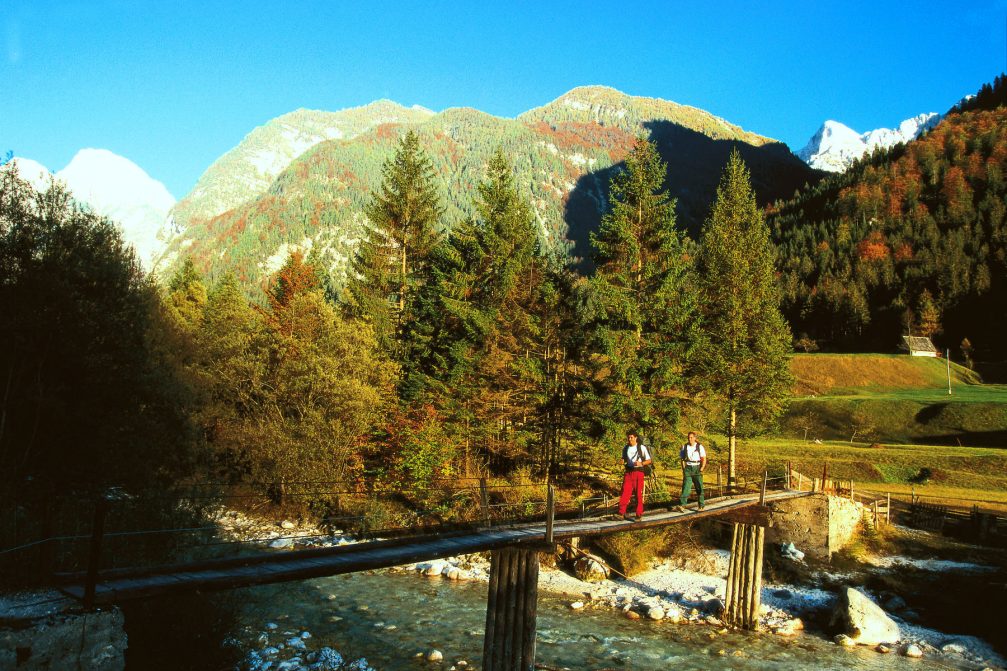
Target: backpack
{"x":648,"y":470}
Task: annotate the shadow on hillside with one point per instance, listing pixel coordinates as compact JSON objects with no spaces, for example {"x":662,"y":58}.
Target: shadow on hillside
{"x":967,"y":439}
{"x":695,"y":163}
{"x":930,"y":412}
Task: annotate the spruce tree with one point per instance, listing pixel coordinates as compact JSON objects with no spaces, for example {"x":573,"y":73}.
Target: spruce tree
{"x":480,"y":334}
{"x":640,"y":305}
{"x":404,"y":219}
{"x":743,"y":355}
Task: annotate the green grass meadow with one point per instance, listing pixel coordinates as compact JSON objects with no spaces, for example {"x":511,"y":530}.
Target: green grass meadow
{"x":888,"y":423}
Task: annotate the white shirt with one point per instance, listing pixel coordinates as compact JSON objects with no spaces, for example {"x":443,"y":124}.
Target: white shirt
{"x":639,"y":451}
{"x":692,"y":454}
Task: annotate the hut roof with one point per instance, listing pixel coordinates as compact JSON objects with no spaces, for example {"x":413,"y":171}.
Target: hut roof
{"x":918,"y":344}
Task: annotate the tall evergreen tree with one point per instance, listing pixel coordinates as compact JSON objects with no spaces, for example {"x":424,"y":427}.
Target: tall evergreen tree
{"x":483,"y":322}
{"x":187,"y":296}
{"x":404,"y":227}
{"x":639,"y":303}
{"x":743,"y":355}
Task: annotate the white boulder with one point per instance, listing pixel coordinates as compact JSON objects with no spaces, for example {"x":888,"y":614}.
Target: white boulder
{"x":590,"y":569}
{"x":863,"y":620}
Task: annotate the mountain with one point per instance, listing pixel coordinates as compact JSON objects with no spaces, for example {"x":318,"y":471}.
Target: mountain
{"x":836,"y":146}
{"x":31,"y":171}
{"x":114,"y":187}
{"x":912,"y":238}
{"x":250,"y":168}
{"x":563,"y":153}
{"x":117,"y":188}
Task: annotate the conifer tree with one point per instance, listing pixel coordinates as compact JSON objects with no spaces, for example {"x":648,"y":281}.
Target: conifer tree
{"x":743,"y":354}
{"x":640,"y":305}
{"x":404,"y":225}
{"x":187,"y":296}
{"x":483,"y":312}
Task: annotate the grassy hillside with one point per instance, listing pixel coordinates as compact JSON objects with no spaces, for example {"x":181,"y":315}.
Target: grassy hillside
{"x":893,"y":399}
{"x":843,"y":374}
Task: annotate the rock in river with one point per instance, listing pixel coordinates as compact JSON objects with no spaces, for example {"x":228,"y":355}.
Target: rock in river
{"x":862,"y":620}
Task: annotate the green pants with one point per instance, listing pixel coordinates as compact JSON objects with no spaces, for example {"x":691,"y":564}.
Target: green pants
{"x":692,"y":474}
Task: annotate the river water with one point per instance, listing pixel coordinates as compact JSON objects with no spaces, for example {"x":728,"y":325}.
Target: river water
{"x":389,"y":617}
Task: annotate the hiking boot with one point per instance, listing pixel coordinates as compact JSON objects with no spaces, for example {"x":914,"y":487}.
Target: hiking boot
{"x":627,"y":518}
{"x":701,"y":506}
{"x":681,"y":509}
{"x":638,"y":518}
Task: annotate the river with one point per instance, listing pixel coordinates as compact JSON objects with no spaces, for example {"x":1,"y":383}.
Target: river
{"x":389,"y":618}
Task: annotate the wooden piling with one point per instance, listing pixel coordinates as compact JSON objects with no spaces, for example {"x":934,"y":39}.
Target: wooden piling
{"x":94,"y":556}
{"x":744,"y":577}
{"x":790,"y":473}
{"x":888,"y":508}
{"x":762,"y":493}
{"x":511,"y":611}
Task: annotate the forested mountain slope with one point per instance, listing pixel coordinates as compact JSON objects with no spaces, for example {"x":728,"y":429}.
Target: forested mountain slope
{"x":247,"y":170}
{"x":912,"y":239}
{"x":563,"y":155}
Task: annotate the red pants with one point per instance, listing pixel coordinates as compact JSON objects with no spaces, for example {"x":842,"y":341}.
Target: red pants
{"x":632,"y":482}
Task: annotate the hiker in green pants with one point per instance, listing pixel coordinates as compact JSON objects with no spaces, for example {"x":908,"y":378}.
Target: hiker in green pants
{"x":693,"y":456}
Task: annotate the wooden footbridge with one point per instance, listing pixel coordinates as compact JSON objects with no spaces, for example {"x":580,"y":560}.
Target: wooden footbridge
{"x":512,"y":600}
{"x":512,"y":597}
{"x":115,"y":586}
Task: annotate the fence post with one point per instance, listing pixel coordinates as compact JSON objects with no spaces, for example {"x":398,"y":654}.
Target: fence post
{"x":800,"y":481}
{"x":888,"y":509}
{"x":484,"y":500}
{"x":762,"y":494}
{"x":825,"y":474}
{"x":851,"y":491}
{"x":94,"y":557}
{"x":550,"y":513}
{"x":720,"y":486}
{"x":790,"y":473}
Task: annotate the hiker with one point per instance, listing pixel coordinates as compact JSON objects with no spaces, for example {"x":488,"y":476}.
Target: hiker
{"x":635,"y":456}
{"x":693,"y":456}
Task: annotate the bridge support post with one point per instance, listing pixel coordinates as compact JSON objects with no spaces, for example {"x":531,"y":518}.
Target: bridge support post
{"x":511,"y":611}
{"x":744,"y":577}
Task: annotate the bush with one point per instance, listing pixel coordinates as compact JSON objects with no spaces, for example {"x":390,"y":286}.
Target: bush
{"x":632,"y":551}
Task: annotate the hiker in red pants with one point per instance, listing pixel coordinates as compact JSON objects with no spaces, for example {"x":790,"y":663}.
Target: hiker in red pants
{"x":635,"y":457}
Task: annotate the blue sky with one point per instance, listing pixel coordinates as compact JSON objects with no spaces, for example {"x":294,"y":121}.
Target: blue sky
{"x":174,"y":84}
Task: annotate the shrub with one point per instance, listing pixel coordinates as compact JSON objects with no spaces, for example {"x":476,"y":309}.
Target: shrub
{"x":630,"y":552}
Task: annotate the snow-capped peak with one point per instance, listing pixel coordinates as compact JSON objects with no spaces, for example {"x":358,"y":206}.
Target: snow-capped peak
{"x":113,"y":187}
{"x":836,"y":146}
{"x":31,"y":171}
{"x":107,"y":180}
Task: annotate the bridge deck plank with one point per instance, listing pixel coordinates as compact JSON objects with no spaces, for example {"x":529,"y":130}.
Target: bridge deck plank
{"x":303,"y":564}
